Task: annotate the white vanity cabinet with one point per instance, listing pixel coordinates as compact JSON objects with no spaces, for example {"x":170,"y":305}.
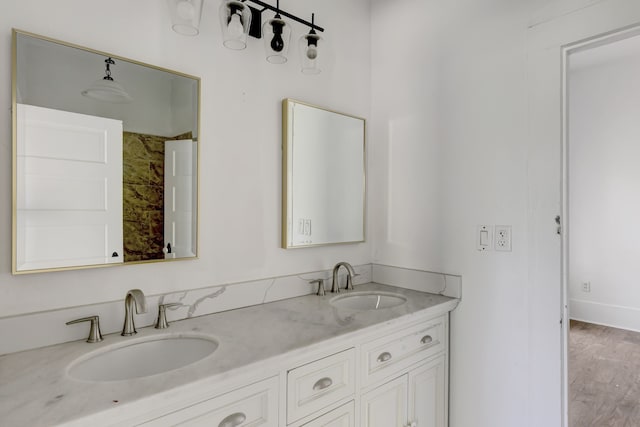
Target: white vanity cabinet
{"x":255,"y":405}
{"x":404,"y":377}
{"x":394,"y":377}
{"x":292,"y":363}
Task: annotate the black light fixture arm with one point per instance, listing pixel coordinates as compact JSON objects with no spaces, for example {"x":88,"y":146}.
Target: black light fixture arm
{"x":283,"y":13}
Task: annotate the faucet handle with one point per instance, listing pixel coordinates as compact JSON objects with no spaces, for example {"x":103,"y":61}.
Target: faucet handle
{"x":161,"y":322}
{"x":94,"y":332}
{"x":320,"y":283}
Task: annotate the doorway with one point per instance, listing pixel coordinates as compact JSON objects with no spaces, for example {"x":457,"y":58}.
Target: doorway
{"x":602,"y":249}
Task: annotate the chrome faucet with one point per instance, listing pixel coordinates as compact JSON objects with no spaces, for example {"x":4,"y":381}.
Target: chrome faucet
{"x":335,"y":287}
{"x":134,"y":297}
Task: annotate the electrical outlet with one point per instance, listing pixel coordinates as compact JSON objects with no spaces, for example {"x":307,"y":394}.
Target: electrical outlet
{"x":503,"y":238}
{"x":586,"y":287}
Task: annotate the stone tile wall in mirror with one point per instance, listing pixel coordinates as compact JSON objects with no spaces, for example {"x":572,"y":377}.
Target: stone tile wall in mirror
{"x":96,"y":182}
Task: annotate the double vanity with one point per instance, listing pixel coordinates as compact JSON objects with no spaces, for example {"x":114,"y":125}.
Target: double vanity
{"x":373,"y":356}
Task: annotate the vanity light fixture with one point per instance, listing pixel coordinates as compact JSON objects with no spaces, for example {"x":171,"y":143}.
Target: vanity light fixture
{"x":185,"y":16}
{"x":238,"y":20}
{"x":311,"y":47}
{"x":277,"y":37}
{"x":107,"y":89}
{"x":235,"y":21}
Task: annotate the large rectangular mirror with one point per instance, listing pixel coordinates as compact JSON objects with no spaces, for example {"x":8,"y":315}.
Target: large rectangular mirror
{"x":105,"y":158}
{"x":323,"y":176}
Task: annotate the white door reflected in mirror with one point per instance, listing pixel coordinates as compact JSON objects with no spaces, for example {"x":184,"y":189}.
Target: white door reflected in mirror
{"x":69,"y":189}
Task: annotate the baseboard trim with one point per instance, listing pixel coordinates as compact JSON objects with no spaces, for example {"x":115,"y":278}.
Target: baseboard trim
{"x":614,"y":316}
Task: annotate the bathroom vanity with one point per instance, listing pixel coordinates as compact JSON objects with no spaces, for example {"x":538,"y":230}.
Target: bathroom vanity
{"x":376,"y":356}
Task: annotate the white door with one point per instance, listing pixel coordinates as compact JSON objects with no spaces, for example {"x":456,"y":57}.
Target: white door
{"x":179,"y":198}
{"x":386,"y":405}
{"x":427,"y":395}
{"x":69,"y":189}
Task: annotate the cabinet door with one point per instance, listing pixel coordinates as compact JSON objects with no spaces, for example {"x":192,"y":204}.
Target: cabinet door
{"x":427,"y":394}
{"x":339,"y":417}
{"x":385,"y":406}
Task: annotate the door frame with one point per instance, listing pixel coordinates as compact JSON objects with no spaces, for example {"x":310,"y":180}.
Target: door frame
{"x":562,"y":28}
{"x":567,"y":50}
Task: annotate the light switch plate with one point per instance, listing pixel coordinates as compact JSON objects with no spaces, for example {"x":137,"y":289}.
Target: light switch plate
{"x":484,"y":238}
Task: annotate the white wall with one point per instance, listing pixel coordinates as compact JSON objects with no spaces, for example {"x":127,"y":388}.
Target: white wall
{"x":240,"y":134}
{"x":604,"y":106}
{"x":449,"y":145}
{"x":466,"y":130}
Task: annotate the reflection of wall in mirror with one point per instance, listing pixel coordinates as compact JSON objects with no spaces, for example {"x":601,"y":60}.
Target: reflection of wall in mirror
{"x":327,"y":187}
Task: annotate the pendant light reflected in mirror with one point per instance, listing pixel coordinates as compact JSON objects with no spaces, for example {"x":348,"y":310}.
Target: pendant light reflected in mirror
{"x":235,"y":21}
{"x":185,"y":16}
{"x":107,"y":89}
{"x":277,"y":36}
{"x":311,"y":48}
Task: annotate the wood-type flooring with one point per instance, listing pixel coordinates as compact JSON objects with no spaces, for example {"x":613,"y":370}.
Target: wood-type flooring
{"x":604,"y":376}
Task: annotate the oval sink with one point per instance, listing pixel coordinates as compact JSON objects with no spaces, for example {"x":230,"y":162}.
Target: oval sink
{"x":142,"y":358}
{"x":368,"y":300}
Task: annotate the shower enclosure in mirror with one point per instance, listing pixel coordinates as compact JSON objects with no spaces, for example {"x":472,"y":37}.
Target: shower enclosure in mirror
{"x":323,"y":176}
{"x":105,"y":158}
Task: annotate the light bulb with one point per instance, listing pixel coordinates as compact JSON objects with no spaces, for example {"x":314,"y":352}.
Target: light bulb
{"x":185,"y":10}
{"x":312,"y":52}
{"x":277,"y":43}
{"x":236,"y":29}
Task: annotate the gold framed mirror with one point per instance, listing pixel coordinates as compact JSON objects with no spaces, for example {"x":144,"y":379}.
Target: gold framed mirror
{"x":323,"y":176}
{"x":105,"y":158}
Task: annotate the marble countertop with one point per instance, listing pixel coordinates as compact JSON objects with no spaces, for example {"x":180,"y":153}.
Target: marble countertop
{"x":35,"y":389}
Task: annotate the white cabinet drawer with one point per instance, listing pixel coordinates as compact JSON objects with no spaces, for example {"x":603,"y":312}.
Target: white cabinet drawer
{"x":251,"y":406}
{"x":344,"y":416}
{"x":396,"y":352}
{"x":313,"y":386}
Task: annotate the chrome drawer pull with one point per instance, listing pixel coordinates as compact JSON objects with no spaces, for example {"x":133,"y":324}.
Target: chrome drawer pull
{"x":233,"y":420}
{"x":384,"y":357}
{"x":322,"y":383}
{"x":426,"y":339}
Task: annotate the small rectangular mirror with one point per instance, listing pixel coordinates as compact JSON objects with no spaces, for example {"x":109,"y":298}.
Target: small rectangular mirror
{"x":105,"y":158}
{"x":323,"y":176}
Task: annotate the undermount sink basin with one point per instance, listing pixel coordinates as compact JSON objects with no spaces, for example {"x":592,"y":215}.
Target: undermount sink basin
{"x":142,"y":358}
{"x":363,"y":301}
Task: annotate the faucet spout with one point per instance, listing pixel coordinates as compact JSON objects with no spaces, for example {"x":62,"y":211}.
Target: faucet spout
{"x":135,"y":298}
{"x":335,"y":287}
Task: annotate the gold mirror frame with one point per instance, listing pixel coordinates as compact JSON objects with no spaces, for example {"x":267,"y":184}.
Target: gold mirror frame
{"x":14,"y":114}
{"x":287,"y":144}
